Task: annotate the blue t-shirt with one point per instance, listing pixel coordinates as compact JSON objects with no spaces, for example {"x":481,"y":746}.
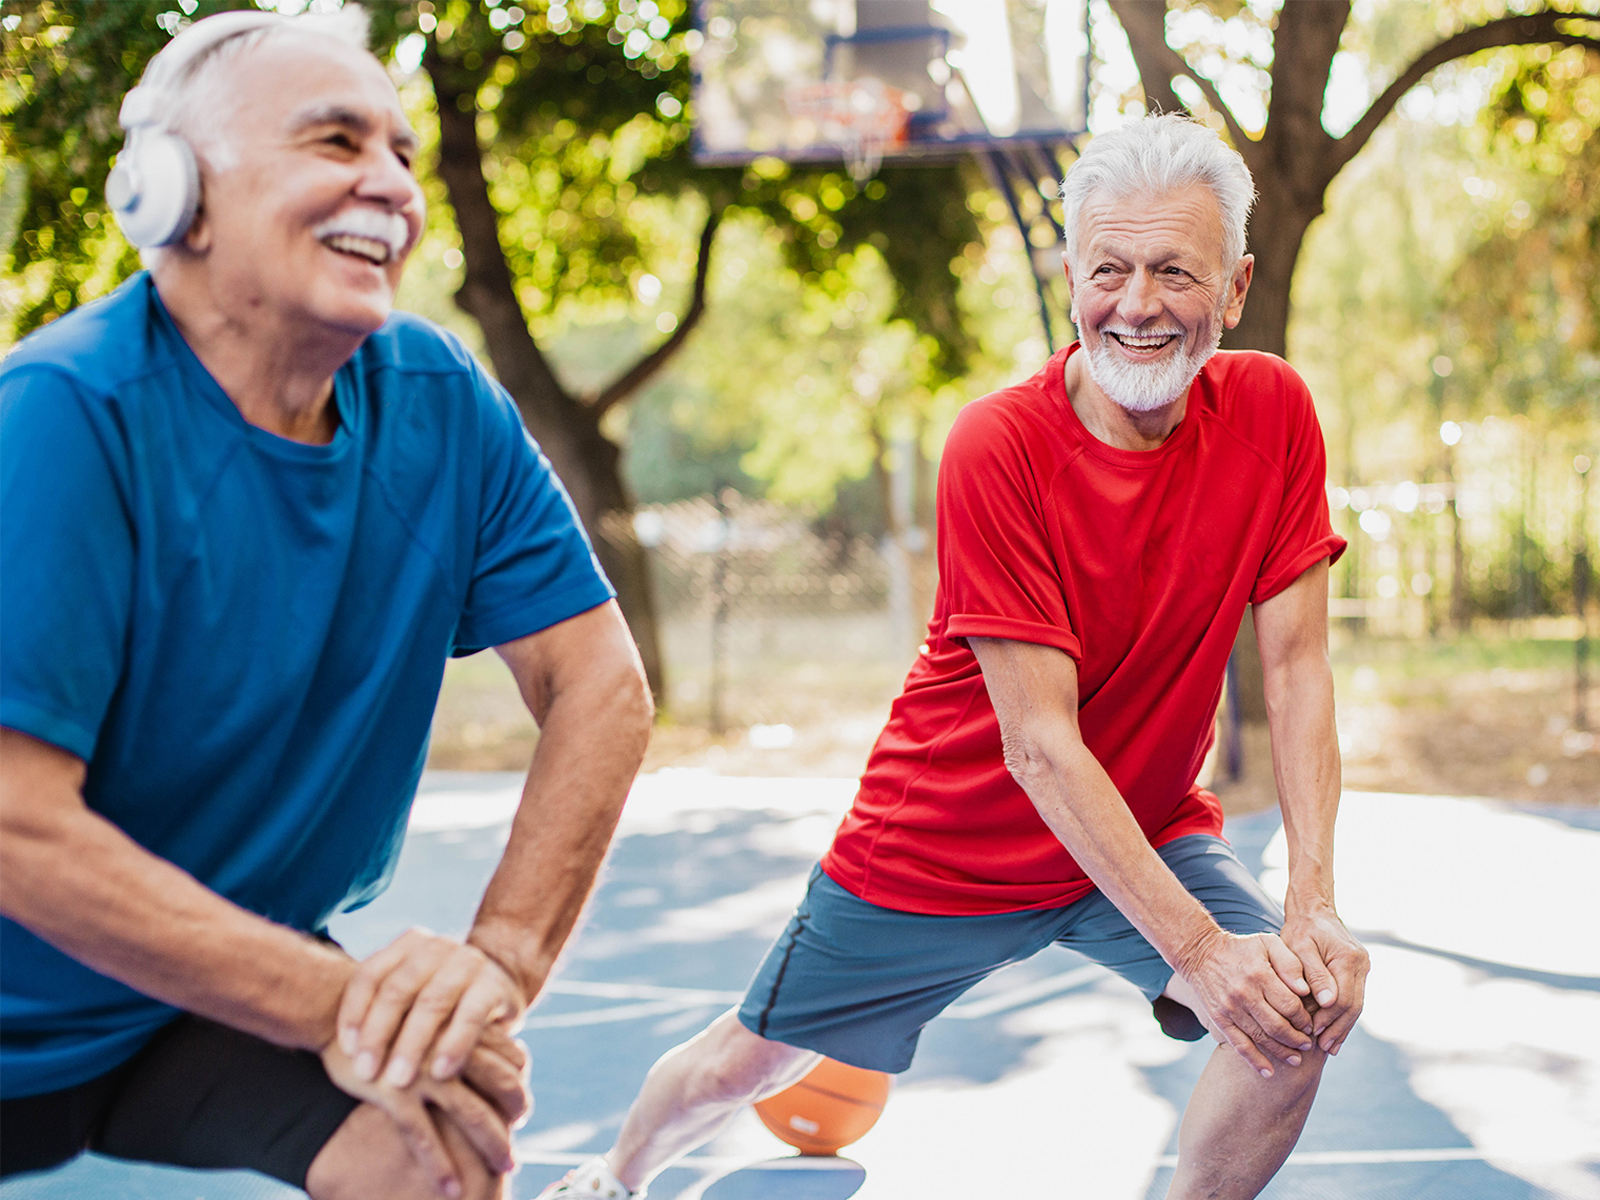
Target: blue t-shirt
{"x":244,"y":636}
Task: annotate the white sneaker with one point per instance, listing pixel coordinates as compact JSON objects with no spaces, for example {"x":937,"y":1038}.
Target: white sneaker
{"x":592,"y":1181}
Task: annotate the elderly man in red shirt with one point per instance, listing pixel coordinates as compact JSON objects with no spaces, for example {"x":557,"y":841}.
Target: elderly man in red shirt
{"x":1102,"y":528}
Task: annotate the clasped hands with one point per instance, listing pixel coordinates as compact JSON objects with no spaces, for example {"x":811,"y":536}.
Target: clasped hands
{"x":1281,"y":996}
{"x":426,"y":1023}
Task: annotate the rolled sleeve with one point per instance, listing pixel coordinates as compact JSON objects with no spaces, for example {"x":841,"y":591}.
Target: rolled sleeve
{"x":995,"y":554}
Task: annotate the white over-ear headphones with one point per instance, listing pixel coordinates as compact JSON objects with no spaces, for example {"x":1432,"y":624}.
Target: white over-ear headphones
{"x":154,"y":189}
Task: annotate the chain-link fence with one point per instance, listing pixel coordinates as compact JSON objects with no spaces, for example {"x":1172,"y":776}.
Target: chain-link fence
{"x":764,"y":621}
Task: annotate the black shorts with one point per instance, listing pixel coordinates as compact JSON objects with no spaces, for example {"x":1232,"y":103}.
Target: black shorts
{"x":198,"y":1095}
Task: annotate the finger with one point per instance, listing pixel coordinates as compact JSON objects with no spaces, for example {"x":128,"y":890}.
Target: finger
{"x":499,"y":1082}
{"x":486,"y":1000}
{"x":359,"y":991}
{"x":430,"y":1012}
{"x":422,"y":1139}
{"x":1351,"y":975}
{"x":483,"y":1126}
{"x":1245,"y":1046}
{"x":498,"y":1041}
{"x":1344,"y":1018}
{"x":396,"y":994}
{"x":1275,"y":1012}
{"x":1333,"y":1037}
{"x":1288,"y":965}
{"x":1324,"y":983}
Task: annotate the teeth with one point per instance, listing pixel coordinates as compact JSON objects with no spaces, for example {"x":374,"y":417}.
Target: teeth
{"x":1143,"y":341}
{"x":370,"y":232}
{"x":368,"y":248}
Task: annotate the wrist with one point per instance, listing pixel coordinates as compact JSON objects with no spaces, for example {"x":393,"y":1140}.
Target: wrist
{"x":1309,"y":901}
{"x":1196,"y":948}
{"x":520,"y":955}
{"x":316,"y":994}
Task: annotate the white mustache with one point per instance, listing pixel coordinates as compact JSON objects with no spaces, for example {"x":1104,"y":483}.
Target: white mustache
{"x":385,"y":227}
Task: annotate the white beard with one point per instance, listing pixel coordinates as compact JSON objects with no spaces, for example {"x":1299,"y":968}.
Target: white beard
{"x":1145,"y":387}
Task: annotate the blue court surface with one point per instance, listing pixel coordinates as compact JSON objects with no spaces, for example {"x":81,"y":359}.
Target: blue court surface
{"x":1475,"y":1074}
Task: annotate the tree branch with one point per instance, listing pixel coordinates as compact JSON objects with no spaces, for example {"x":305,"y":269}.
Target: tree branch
{"x":643,"y":370}
{"x":1146,"y":27}
{"x":1506,"y":31}
{"x":488,"y":292}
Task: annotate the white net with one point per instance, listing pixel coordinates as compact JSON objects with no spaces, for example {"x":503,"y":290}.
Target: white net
{"x":862,"y":117}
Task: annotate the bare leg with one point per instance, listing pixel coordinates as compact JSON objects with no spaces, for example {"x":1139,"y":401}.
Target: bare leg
{"x":694,"y":1089}
{"x":366,"y":1157}
{"x":1238,"y":1127}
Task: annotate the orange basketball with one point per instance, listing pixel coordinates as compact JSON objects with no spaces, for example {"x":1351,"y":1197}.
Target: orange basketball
{"x":828,"y":1109}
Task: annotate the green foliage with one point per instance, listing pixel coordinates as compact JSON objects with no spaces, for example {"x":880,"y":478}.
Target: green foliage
{"x":64,"y":67}
{"x":1526,"y":299}
{"x":1454,"y":278}
{"x":588,"y":117}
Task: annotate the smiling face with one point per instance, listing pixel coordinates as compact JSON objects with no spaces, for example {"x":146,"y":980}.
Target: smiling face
{"x":308,"y":221}
{"x":1151,"y":294}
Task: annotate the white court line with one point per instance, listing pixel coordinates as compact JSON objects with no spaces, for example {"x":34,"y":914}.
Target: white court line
{"x":607,"y":1016}
{"x":1300,"y":1158}
{"x":655,"y":1000}
{"x":641,"y":991}
{"x":1343,"y":1158}
{"x":710,"y":1162}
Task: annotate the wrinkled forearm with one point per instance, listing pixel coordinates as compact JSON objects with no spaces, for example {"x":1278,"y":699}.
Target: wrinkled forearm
{"x":1082,"y":807}
{"x":1305,"y":760}
{"x":81,"y":884}
{"x":591,"y":743}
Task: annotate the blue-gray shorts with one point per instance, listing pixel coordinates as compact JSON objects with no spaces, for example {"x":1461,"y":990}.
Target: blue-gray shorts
{"x":857,"y":982}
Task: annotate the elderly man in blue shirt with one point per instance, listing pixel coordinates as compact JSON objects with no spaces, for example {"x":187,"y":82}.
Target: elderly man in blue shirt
{"x":248,"y":514}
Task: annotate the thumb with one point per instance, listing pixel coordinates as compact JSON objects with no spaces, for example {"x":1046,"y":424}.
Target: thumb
{"x":1287,"y":964}
{"x":1324,"y":988}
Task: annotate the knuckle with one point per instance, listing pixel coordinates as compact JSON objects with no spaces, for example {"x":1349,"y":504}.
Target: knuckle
{"x":395,"y":988}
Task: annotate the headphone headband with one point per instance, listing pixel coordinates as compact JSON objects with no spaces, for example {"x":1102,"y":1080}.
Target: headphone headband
{"x":154,"y":189}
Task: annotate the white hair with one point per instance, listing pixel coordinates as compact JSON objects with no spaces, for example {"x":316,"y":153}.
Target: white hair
{"x":198,"y":90}
{"x":1154,"y":156}
{"x":202,"y":92}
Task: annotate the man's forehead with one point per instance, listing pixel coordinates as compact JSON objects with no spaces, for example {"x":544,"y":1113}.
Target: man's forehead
{"x":1188,"y":217}
{"x":299,"y":80}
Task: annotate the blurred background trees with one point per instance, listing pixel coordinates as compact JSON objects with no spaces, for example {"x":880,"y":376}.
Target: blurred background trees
{"x":672,"y":331}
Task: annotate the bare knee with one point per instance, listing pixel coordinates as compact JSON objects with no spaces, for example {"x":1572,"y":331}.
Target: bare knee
{"x":366,"y":1157}
{"x":730,"y":1065}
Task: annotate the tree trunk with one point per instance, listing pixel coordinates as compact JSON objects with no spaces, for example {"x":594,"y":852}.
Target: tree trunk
{"x":568,"y":431}
{"x":1277,"y":230}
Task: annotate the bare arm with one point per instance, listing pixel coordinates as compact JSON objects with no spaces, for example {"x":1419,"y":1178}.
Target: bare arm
{"x":1292,"y":632}
{"x":80,"y":883}
{"x":583,"y":683}
{"x":84,"y":886}
{"x":1240,"y":980}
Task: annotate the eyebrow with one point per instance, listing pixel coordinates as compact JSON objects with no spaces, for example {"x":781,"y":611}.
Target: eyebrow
{"x":355,"y":121}
{"x":1123,"y":251}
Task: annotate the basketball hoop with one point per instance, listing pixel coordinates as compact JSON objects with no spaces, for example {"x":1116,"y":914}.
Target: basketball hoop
{"x":861,"y":117}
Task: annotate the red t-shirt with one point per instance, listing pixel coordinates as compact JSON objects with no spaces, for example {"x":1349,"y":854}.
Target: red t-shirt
{"x":1139,"y":565}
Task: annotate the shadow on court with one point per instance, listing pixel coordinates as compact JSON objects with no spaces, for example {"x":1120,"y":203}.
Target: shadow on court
{"x":1475,"y":1074}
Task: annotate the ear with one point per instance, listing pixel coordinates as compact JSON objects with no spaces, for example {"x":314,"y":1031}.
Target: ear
{"x":197,"y":238}
{"x":1072,"y":301}
{"x":1237,"y":287}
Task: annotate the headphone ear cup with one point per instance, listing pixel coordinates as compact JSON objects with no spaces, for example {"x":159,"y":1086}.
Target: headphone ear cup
{"x":154,"y":189}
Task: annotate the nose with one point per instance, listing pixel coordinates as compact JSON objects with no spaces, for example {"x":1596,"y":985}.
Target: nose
{"x":1141,"y":299}
{"x":387,"y":180}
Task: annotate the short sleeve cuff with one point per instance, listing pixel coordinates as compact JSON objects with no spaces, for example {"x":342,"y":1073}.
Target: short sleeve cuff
{"x":1010,"y":629}
{"x":512,"y":621}
{"x":41,"y":723}
{"x":1268,"y":586}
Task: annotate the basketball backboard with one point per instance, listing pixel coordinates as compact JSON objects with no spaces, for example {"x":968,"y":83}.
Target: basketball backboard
{"x":859,"y":80}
